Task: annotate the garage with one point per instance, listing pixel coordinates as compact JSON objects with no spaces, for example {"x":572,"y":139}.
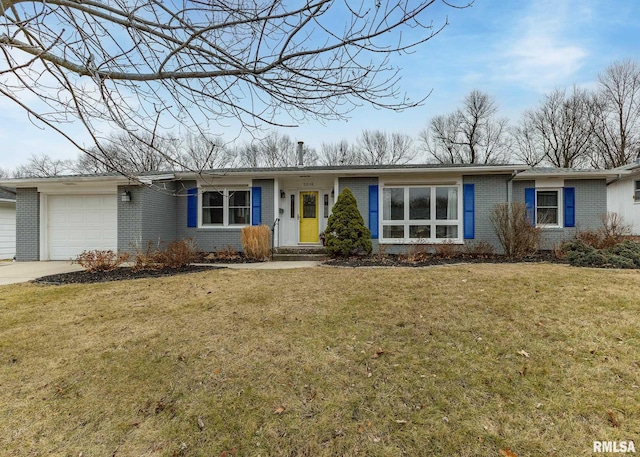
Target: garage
{"x":81,"y":222}
{"x":7,"y":229}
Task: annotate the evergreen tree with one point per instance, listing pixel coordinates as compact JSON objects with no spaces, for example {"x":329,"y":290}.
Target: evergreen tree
{"x":346,"y":233}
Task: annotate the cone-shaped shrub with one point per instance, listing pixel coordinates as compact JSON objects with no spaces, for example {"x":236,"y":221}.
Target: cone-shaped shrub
{"x":346,"y":233}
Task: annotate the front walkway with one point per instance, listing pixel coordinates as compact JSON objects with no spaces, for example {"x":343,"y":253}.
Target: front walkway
{"x":16,"y":272}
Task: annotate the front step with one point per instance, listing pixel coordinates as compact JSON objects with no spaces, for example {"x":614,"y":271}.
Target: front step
{"x":298,"y":253}
{"x":299,"y":257}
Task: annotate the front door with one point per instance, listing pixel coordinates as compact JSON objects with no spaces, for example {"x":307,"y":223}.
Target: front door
{"x":308,"y":217}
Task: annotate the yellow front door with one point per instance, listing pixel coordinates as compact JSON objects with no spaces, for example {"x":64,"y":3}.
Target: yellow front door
{"x":308,"y":217}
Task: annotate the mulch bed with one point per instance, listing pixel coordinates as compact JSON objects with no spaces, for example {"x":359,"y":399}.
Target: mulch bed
{"x":401,"y":261}
{"x":119,"y":274}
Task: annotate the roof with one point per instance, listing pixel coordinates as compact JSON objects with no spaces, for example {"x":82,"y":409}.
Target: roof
{"x":7,"y":194}
{"x":519,"y":171}
{"x":570,"y":173}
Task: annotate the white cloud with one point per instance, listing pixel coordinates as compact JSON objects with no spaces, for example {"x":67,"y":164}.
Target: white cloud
{"x":543,"y":51}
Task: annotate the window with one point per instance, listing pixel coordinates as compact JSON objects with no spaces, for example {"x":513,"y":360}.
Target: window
{"x":636,"y":193}
{"x":548,"y":207}
{"x":420,"y":213}
{"x":226,"y":207}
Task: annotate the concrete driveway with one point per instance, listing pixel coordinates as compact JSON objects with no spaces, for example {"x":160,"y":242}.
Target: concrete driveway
{"x":15,"y":272}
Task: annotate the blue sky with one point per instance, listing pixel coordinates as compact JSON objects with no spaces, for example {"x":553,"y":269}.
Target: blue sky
{"x":514,"y":50}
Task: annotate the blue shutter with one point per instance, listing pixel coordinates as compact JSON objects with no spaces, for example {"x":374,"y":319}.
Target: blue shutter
{"x":192,"y":207}
{"x":569,"y":206}
{"x":373,"y":211}
{"x":468,"y":202}
{"x":256,"y":205}
{"x":530,"y":201}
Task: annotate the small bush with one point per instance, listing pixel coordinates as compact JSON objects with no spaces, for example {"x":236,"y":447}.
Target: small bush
{"x":446,"y":250}
{"x":516,"y":235}
{"x":614,"y":230}
{"x":256,"y":242}
{"x":97,"y":260}
{"x":623,"y":255}
{"x":174,"y":255}
{"x":479,"y":249}
{"x":416,"y":253}
{"x":226,"y":253}
{"x":177,"y":254}
{"x":346,"y":233}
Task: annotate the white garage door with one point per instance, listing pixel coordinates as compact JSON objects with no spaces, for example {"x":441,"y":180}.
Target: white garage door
{"x":81,"y":222}
{"x":7,"y":231}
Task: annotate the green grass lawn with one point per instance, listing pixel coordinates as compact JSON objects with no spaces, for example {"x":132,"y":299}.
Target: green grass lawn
{"x":465,"y":360}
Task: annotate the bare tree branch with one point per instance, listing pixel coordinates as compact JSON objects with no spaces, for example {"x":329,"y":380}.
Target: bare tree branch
{"x":145,"y":67}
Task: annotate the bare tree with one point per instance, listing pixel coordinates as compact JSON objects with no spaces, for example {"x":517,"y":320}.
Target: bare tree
{"x":338,"y":154}
{"x":615,"y":117}
{"x":275,"y":150}
{"x":557,"y":132}
{"x":203,"y":152}
{"x":4,"y":174}
{"x":43,"y":166}
{"x":131,"y":155}
{"x":375,"y":147}
{"x":145,"y":66}
{"x":471,"y":134}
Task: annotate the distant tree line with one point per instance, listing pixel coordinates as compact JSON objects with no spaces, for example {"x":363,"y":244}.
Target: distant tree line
{"x":568,"y":128}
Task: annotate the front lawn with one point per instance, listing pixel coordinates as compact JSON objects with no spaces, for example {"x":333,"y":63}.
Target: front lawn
{"x":458,"y":360}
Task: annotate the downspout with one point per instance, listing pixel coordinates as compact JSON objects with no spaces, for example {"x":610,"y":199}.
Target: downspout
{"x":510,"y":184}
{"x":614,"y":180}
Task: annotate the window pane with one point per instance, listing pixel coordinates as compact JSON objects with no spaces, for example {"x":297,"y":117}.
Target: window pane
{"x":393,"y":204}
{"x":420,"y":203}
{"x":212,"y":199}
{"x":326,"y":206}
{"x":309,"y":206}
{"x":446,"y":231}
{"x":239,"y":198}
{"x":420,"y":231}
{"x":212,"y":216}
{"x":447,"y":203}
{"x":547,"y":216}
{"x":548,"y":198}
{"x":293,"y":206}
{"x":239,"y":216}
{"x":393,"y":231}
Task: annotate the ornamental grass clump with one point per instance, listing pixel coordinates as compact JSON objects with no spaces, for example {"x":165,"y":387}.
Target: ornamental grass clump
{"x":346,"y":233}
{"x":256,"y":242}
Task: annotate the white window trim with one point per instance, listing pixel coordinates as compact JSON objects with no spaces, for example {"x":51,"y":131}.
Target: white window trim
{"x":225,"y":209}
{"x":636,"y":191}
{"x":407,"y":222}
{"x":560,"y":192}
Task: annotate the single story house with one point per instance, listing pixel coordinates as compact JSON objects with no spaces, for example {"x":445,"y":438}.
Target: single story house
{"x":7,"y":223}
{"x":59,"y":217}
{"x":623,"y":195}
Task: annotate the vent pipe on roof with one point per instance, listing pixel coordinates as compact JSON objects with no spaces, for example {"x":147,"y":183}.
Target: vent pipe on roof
{"x":300,"y":154}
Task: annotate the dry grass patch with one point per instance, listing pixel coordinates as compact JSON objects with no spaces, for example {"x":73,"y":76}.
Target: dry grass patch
{"x":437,"y":361}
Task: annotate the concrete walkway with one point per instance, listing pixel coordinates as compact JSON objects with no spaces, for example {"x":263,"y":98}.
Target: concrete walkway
{"x":15,"y":272}
{"x":276,"y":265}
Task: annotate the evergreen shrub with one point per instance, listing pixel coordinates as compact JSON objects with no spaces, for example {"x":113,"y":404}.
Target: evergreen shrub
{"x":346,"y":233}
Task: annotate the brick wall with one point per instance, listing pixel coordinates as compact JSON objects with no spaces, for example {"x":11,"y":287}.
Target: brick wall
{"x":591,"y":204}
{"x":159,"y":214}
{"x":488,"y":191}
{"x":27,"y":224}
{"x":130,"y":219}
{"x":211,"y":239}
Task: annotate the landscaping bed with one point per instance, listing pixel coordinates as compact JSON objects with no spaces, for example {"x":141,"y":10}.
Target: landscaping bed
{"x":432,"y":260}
{"x":119,"y":274}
